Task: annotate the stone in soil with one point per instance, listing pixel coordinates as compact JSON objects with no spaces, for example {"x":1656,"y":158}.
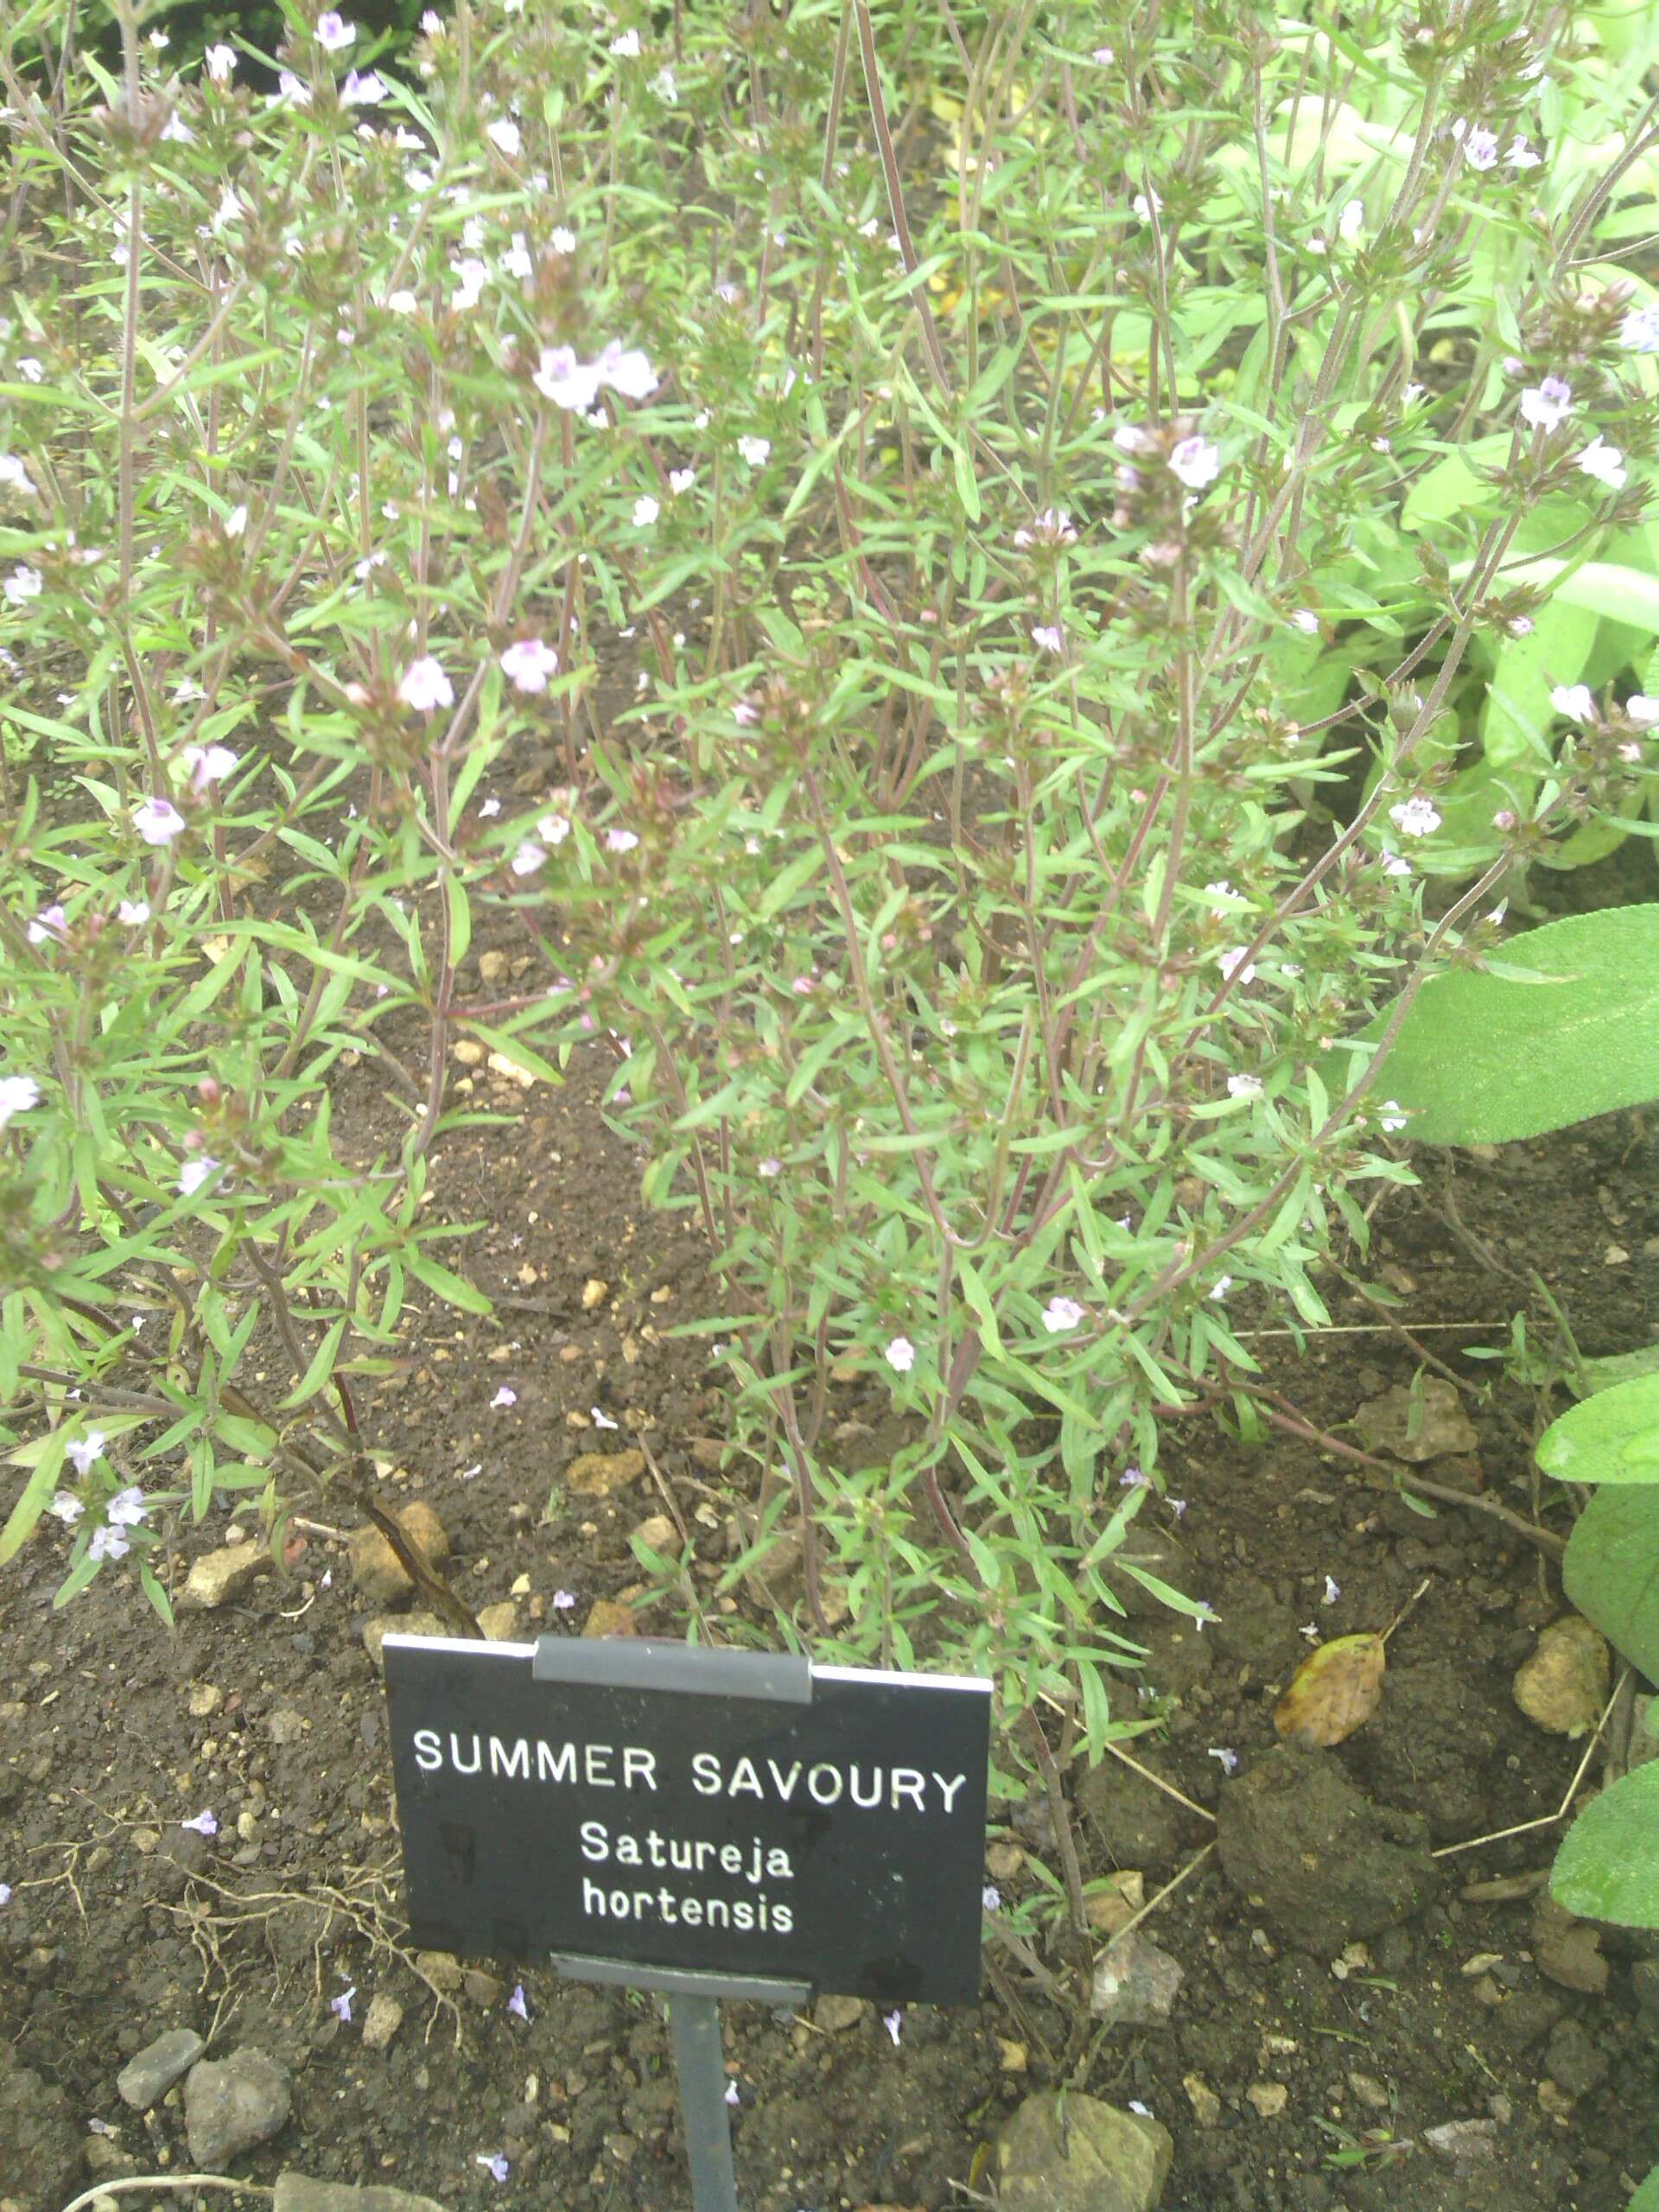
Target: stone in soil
{"x":376,"y":1632}
{"x":231,"y":2106}
{"x":376,"y":1569}
{"x":1427,"y":1423}
{"x":1325,"y":1865}
{"x":1078,"y":2154}
{"x":1135,"y":1983}
{"x":297,"y":2193}
{"x":1563,"y":1686}
{"x":835,"y":2015}
{"x":145,"y":2080}
{"x":217,"y":1578}
{"x":610,"y":1616}
{"x":382,"y":2021}
{"x":600,"y":1474}
{"x":1568,"y":1951}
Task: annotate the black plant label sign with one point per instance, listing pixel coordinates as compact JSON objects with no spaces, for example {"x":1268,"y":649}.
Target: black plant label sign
{"x":676,"y":1812}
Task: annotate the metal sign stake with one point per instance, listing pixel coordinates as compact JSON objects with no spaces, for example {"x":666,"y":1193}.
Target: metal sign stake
{"x":699,"y":2054}
{"x":700,"y":2062}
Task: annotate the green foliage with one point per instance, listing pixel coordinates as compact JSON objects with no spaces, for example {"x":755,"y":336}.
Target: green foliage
{"x":953,"y":849}
{"x":1566,"y":1025}
{"x":1608,"y":1868}
{"x":1612,"y":1572}
{"x":1612,"y":1437}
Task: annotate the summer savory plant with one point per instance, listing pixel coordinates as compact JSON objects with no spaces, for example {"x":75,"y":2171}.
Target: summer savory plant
{"x":1061,"y":567}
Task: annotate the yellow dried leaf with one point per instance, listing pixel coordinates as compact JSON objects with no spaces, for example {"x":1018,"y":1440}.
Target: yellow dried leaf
{"x":1334,"y":1691}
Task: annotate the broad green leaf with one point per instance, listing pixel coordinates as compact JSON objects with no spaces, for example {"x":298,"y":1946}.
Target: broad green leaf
{"x":1608,"y":1866}
{"x":1595,"y":1374}
{"x":1483,"y":1058}
{"x":1610,"y":1438}
{"x":1612,"y":1572}
{"x":1517,"y":717}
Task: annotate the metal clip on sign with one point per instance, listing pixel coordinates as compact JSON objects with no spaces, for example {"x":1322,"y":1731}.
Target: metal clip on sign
{"x":700,"y":1823}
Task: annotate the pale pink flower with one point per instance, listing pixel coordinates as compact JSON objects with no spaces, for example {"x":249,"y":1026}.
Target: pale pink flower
{"x":1306,"y":619}
{"x":194,"y":1173}
{"x":901,"y":1355}
{"x":620,"y":841}
{"x":1196,"y":462}
{"x":1576,"y":701}
{"x":1048,"y":636}
{"x":204,"y":1824}
{"x":528,"y":858}
{"x":515,"y":2003}
{"x":566,"y":381}
{"x":505,"y":1396}
{"x":624,"y":369}
{"x":424,"y":686}
{"x":208,"y":764}
{"x":1062,"y":1313}
{"x":19,"y":1093}
{"x":340,"y":2005}
{"x":553,"y":829}
{"x":1234,"y":967}
{"x":563,"y":1600}
{"x":1545,"y":405}
{"x":1480,"y":148}
{"x":157,"y":821}
{"x":366,"y":90}
{"x":23,"y":584}
{"x":15,"y":475}
{"x":1416,"y":816}
{"x":528,"y":663}
{"x":48,"y":926}
{"x":1604,"y":463}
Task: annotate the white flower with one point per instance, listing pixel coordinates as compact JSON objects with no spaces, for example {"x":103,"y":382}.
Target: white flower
{"x":1304,"y":619}
{"x":424,"y":686}
{"x":681,"y":479}
{"x":529,"y":857}
{"x":770,"y":1167}
{"x":625,"y":46}
{"x":566,"y":381}
{"x":366,"y":90}
{"x":505,"y":137}
{"x":1195,"y":463}
{"x":1604,"y":463}
{"x":204,"y":1824}
{"x":1234,"y":965}
{"x":528,"y":663}
{"x":23,"y":584}
{"x":1643,"y":712}
{"x":18,"y":1094}
{"x":893,"y":2023}
{"x":66,"y":1508}
{"x":516,"y":260}
{"x":755,"y":451}
{"x":1391,"y":1116}
{"x":157,"y":821}
{"x":1244,"y":1086}
{"x":1061,"y":1313}
{"x":1396,"y":864}
{"x":601,"y":1420}
{"x":646,"y":511}
{"x":126,"y":1509}
{"x":1223,"y":1285}
{"x":471,"y":275}
{"x":1311,"y":1631}
{"x":432,"y":23}
{"x":1147,"y":204}
{"x":505,"y":1396}
{"x":1416,"y":816}
{"x":133,"y":914}
{"x":1352,"y":222}
{"x":1228,"y":1758}
{"x":563,"y":241}
{"x":1576,"y":701}
{"x":620,"y":841}
{"x":1048,"y":636}
{"x":194,"y":1173}
{"x":335,"y":33}
{"x":219,"y":62}
{"x":30,"y":370}
{"x":107,"y":1544}
{"x":290,"y":87}
{"x":208,"y":764}
{"x":1638,"y":333}
{"x":1522,"y":157}
{"x":13,"y":473}
{"x":553,"y":829}
{"x":48,"y":926}
{"x":1332,"y":1590}
{"x":665,"y":85}
{"x":901,"y":1355}
{"x":1480,"y":148}
{"x":1546,"y":404}
{"x":84,"y":1450}
{"x":402,"y":302}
